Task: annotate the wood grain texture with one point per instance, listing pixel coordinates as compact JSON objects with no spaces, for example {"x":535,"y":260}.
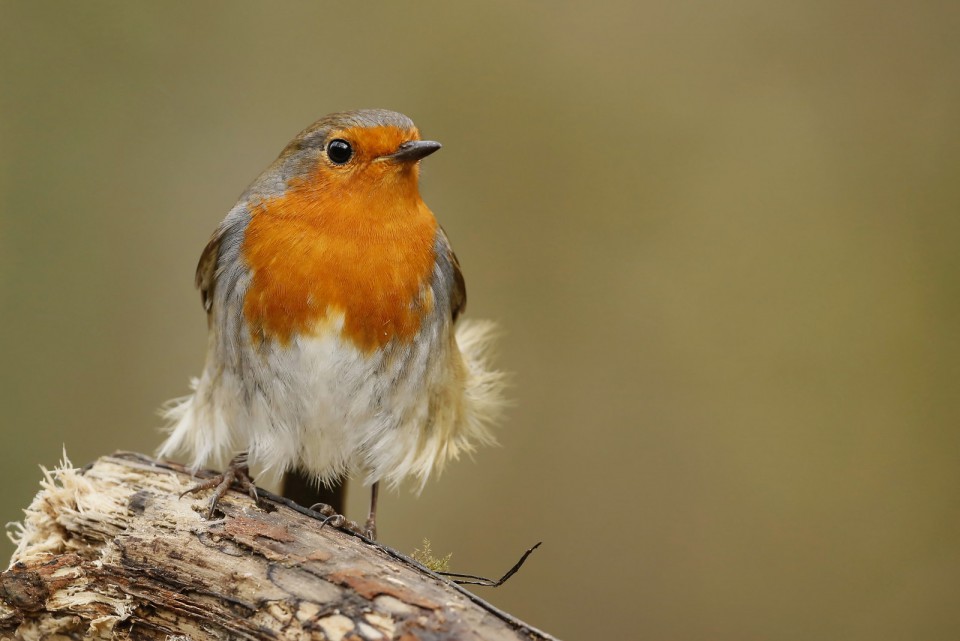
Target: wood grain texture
{"x":109,"y":552}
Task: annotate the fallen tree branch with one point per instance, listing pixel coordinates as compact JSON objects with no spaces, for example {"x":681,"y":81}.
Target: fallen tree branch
{"x":109,"y":552}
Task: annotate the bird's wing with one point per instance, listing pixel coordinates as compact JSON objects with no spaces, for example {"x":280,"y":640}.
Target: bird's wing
{"x":458,"y":288}
{"x":207,"y":271}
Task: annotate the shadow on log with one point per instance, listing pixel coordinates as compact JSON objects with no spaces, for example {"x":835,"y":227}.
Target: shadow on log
{"x":109,"y":552}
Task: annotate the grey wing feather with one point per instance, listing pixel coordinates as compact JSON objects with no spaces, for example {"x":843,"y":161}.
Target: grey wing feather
{"x":207,"y":270}
{"x":458,"y":297}
{"x":458,"y":288}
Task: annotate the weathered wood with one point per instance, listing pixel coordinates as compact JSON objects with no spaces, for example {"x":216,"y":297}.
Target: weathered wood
{"x":109,"y":552}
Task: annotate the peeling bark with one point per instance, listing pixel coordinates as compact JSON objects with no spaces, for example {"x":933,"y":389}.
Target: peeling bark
{"x":109,"y":552}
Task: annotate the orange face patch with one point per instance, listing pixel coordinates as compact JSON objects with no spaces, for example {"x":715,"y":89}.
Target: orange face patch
{"x":371,"y":143}
{"x":356,"y":240}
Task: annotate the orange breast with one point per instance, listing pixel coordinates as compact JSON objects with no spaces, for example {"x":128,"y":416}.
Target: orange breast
{"x":363,"y":248}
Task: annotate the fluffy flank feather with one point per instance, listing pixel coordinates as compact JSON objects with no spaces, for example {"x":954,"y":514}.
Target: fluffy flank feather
{"x":195,"y":431}
{"x":485,"y":396}
{"x":472,"y":402}
{"x":484,"y":400}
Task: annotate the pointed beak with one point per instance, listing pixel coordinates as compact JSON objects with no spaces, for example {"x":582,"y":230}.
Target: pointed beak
{"x":413,"y":151}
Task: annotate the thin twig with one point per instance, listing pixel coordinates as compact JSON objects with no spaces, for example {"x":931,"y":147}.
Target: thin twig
{"x":472,"y":579}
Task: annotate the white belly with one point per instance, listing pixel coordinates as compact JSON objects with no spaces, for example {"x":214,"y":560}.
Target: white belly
{"x":322,"y":405}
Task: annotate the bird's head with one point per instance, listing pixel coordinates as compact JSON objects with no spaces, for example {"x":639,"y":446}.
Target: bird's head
{"x":371,"y":154}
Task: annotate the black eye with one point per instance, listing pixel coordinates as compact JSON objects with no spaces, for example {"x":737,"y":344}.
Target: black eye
{"x":339,"y":151}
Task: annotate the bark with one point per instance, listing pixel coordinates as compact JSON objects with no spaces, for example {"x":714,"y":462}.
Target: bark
{"x":109,"y":552}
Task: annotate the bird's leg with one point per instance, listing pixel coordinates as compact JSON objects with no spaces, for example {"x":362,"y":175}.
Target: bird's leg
{"x":236,"y":472}
{"x":370,"y":530}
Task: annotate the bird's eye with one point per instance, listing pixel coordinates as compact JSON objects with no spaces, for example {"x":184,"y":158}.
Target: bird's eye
{"x":339,"y":151}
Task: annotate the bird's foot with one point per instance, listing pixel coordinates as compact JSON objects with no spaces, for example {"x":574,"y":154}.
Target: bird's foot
{"x":237,"y":473}
{"x":341,"y":522}
{"x":370,"y":529}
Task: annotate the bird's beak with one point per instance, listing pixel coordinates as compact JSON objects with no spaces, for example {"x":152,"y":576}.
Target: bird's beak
{"x":413,"y":150}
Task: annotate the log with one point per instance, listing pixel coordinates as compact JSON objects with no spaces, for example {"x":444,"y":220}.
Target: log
{"x":110,"y":552}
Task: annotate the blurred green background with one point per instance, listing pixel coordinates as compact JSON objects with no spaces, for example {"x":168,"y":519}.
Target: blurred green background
{"x":722,"y":239}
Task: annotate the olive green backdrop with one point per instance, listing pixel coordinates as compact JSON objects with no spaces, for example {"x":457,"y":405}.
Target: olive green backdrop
{"x":722,"y":239}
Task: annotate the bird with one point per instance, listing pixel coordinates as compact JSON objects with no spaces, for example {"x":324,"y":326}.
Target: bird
{"x":336,"y":343}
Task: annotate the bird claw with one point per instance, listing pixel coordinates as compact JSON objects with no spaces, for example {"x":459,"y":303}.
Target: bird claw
{"x":339,"y":521}
{"x":323,"y":508}
{"x":335,"y":520}
{"x":237,"y":473}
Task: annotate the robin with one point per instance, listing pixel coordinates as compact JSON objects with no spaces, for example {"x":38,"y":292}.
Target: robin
{"x":335,"y":340}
